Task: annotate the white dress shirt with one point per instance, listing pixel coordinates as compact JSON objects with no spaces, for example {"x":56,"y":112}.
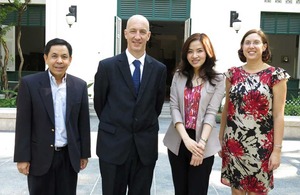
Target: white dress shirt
{"x":59,"y":96}
{"x":131,"y":58}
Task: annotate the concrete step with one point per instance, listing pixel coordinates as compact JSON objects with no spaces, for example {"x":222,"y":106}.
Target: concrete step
{"x":91,"y":106}
{"x":165,"y":112}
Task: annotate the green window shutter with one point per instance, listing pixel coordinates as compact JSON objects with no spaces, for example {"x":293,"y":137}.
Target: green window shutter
{"x":33,"y":16}
{"x":180,"y":9}
{"x":268,"y":23}
{"x":168,"y":10}
{"x":127,"y":8}
{"x":295,"y":24}
{"x":162,"y":9}
{"x":143,"y":7}
{"x":280,"y":23}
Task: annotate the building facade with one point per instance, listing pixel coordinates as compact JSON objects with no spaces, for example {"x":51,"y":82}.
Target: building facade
{"x":98,"y":31}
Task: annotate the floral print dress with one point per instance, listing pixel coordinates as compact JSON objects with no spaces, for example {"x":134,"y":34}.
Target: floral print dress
{"x":248,"y":137}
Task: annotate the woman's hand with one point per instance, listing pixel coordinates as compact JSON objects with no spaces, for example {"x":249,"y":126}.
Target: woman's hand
{"x":220,"y":152}
{"x":196,"y":160}
{"x":275,"y":158}
{"x":195,"y":148}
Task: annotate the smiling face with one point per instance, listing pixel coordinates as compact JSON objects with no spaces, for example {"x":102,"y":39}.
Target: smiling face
{"x":137,"y":34}
{"x":58,"y":61}
{"x":196,"y":55}
{"x":253,"y":47}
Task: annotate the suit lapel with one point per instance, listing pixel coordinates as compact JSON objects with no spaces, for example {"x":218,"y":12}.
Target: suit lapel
{"x":147,"y":71}
{"x":71,"y":92}
{"x":46,"y":95}
{"x":125,"y":71}
{"x":181,"y":87}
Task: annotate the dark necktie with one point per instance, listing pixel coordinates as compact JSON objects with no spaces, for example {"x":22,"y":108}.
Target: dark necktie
{"x":136,"y":75}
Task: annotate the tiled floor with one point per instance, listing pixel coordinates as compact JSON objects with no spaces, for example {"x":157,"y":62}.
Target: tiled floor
{"x":287,"y":177}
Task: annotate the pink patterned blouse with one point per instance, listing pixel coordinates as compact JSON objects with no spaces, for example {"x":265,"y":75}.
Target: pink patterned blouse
{"x":191,"y":104}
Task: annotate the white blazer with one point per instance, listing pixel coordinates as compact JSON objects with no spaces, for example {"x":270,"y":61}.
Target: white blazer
{"x":211,"y":97}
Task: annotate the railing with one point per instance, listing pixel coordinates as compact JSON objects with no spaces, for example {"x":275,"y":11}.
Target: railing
{"x":292,"y":106}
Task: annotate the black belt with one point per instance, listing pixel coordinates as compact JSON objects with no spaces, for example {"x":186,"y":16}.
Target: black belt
{"x":58,"y":149}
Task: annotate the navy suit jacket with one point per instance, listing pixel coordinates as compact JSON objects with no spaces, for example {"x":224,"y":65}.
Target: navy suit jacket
{"x":35,"y":135}
{"x":127,"y":119}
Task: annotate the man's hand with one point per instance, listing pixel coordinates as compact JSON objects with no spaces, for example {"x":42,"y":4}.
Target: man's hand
{"x":23,"y":167}
{"x":83,"y":163}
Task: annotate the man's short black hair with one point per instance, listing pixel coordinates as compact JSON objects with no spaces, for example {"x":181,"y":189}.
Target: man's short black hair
{"x":57,"y":41}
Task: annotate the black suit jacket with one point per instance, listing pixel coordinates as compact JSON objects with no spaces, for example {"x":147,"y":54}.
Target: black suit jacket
{"x":35,"y":123}
{"x":125,"y":118}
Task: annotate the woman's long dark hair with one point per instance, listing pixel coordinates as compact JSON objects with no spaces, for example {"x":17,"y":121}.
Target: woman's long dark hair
{"x":206,"y":71}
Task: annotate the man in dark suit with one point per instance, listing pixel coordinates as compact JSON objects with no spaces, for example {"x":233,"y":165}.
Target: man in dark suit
{"x":52,"y":142}
{"x":128,"y":108}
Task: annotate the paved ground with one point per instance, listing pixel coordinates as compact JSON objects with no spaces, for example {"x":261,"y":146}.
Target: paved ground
{"x":287,"y":177}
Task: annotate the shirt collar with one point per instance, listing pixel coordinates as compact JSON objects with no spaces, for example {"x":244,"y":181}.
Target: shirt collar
{"x":131,"y":58}
{"x":52,"y":78}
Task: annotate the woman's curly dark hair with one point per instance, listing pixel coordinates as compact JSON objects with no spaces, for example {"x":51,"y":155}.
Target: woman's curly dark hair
{"x":206,"y":71}
{"x":266,"y":55}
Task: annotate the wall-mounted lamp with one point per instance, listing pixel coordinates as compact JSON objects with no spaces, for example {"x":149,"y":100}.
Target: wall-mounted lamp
{"x":234,"y":21}
{"x":71,"y":17}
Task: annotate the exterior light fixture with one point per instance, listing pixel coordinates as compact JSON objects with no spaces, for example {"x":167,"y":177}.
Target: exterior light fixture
{"x":71,"y":17}
{"x":234,"y":21}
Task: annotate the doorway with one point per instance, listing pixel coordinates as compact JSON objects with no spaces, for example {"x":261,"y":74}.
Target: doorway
{"x":164,"y":45}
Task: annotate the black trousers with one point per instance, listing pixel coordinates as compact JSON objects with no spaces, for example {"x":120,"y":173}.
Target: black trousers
{"x":132,"y":176}
{"x":61,"y":179}
{"x":187,"y":179}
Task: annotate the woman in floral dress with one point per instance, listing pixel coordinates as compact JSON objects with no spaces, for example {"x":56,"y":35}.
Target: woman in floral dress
{"x":251,"y":129}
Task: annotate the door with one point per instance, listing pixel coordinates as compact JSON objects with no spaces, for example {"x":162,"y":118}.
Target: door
{"x":187,"y":28}
{"x":118,"y":35}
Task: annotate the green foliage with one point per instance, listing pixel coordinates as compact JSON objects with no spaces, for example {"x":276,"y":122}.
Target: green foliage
{"x":8,"y":102}
{"x":10,"y":99}
{"x":89,"y":85}
{"x":292,"y":107}
{"x":4,"y":12}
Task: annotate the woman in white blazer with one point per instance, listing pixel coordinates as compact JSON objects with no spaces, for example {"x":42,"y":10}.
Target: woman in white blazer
{"x":196,"y":94}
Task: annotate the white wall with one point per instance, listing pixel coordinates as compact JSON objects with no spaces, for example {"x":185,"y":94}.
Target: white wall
{"x":92,"y":36}
{"x":213,"y":17}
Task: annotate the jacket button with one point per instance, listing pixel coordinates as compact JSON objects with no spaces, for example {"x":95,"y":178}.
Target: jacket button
{"x":52,"y":130}
{"x":51,"y":146}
